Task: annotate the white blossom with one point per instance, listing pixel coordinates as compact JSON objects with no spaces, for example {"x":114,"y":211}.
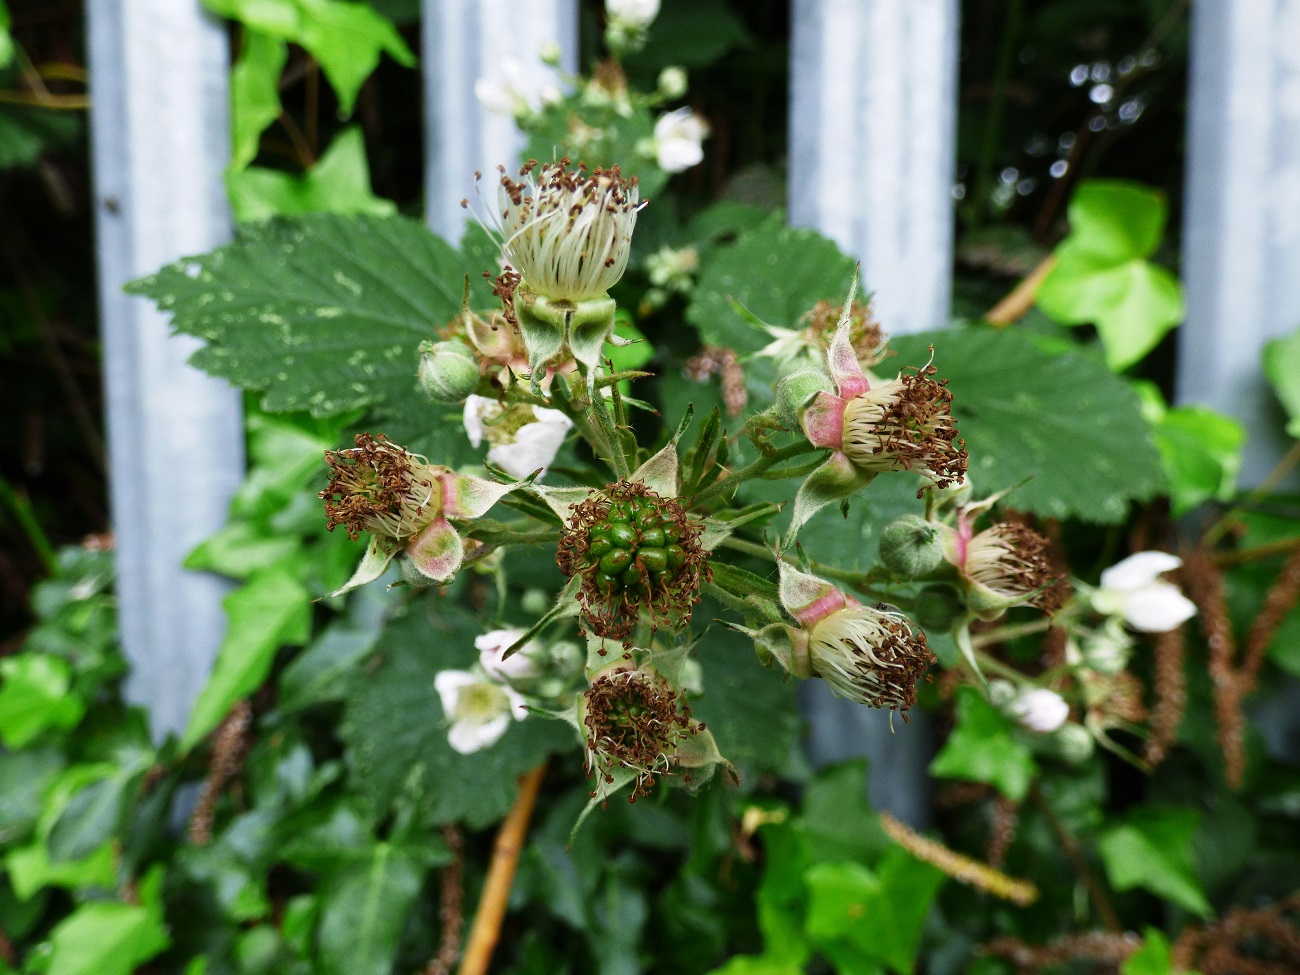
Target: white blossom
{"x":513,"y":91}
{"x":521,"y":665}
{"x":479,"y":710}
{"x":523,"y":438}
{"x":1133,"y":590}
{"x":1039,"y":710}
{"x":678,"y":137}
{"x":632,"y":13}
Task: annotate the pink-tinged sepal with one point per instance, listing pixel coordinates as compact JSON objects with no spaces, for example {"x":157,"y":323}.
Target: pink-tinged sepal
{"x":834,"y":481}
{"x":850,"y":380}
{"x":823,"y":421}
{"x":807,"y":598}
{"x":470,"y":497}
{"x":436,"y":552}
{"x":379,"y":553}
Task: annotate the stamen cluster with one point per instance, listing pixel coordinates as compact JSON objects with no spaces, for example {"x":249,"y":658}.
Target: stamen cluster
{"x":633,"y":549}
{"x":871,"y":655}
{"x":1012,"y":562}
{"x":865,"y":334}
{"x":634,"y":720}
{"x":381,"y":488}
{"x":568,"y":233}
{"x":906,"y":424}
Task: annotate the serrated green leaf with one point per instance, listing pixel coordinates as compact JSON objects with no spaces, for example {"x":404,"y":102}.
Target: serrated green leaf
{"x":324,"y":313}
{"x":271,"y":609}
{"x":1152,"y":848}
{"x":1101,"y":275}
{"x":776,"y":272}
{"x":1282,"y":367}
{"x":254,"y":93}
{"x":396,"y":734}
{"x":1063,"y":421}
{"x":983,"y":749}
{"x":36,"y":696}
{"x":837,"y":821}
{"x":338,"y":183}
{"x":363,"y":912}
{"x":104,"y":938}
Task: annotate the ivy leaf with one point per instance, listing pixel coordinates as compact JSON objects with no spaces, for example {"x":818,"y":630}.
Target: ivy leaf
{"x":105,"y":938}
{"x":396,"y":733}
{"x":982,"y":748}
{"x":271,"y":609}
{"x":347,"y":39}
{"x":254,"y":94}
{"x":94,"y":815}
{"x":320,"y":672}
{"x":1155,"y":957}
{"x":363,"y":912}
{"x":777,"y":273}
{"x":838,"y":823}
{"x":24,"y":778}
{"x":1152,"y":848}
{"x":1064,"y":422}
{"x":1200,"y":450}
{"x":36,"y":696}
{"x":323,"y":313}
{"x":1102,"y":276}
{"x":338,"y":183}
{"x":1282,"y":367}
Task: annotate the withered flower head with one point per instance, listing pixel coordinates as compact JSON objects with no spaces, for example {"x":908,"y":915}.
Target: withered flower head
{"x":633,"y":719}
{"x":865,"y":334}
{"x":568,"y":233}
{"x":1007,"y":565}
{"x":381,"y":488}
{"x":871,"y":655}
{"x":906,"y":424}
{"x":633,"y":550}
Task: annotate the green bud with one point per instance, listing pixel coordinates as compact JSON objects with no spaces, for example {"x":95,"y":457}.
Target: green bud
{"x":795,"y":391}
{"x":1073,"y":743}
{"x":550,"y":54}
{"x":938,"y":607}
{"x":672,"y":82}
{"x":448,"y":371}
{"x":911,"y":547}
{"x":535,"y":602}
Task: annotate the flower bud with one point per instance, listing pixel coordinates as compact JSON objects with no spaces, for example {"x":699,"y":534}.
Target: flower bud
{"x":1073,"y":743}
{"x":795,"y":391}
{"x":672,"y":82}
{"x":911,"y":547}
{"x":448,"y":371}
{"x":1001,"y":693}
{"x":938,"y":607}
{"x":1039,"y":710}
{"x":550,"y":54}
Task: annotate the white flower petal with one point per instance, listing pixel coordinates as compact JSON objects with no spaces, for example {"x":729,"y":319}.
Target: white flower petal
{"x":449,"y":684}
{"x":1040,"y":710}
{"x":1157,"y":608}
{"x":633,"y":13}
{"x":1138,"y":570}
{"x":535,"y":445}
{"x":492,"y":645}
{"x":468,"y":737}
{"x":518,"y":706}
{"x":677,"y":139}
{"x":477,"y":408}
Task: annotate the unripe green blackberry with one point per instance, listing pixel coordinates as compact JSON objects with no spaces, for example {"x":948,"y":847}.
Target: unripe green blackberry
{"x":911,"y":547}
{"x":633,"y":549}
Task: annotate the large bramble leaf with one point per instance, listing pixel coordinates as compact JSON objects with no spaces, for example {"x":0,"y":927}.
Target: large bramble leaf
{"x":1102,"y":276}
{"x":777,"y":273}
{"x":396,"y":733}
{"x":1152,"y":848}
{"x":322,"y":313}
{"x":1064,"y":422}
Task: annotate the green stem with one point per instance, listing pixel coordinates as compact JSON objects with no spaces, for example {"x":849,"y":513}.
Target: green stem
{"x":988,"y":662}
{"x":1274,"y":478}
{"x":26,"y":518}
{"x":1009,"y":632}
{"x":609,"y":432}
{"x":757,"y":469}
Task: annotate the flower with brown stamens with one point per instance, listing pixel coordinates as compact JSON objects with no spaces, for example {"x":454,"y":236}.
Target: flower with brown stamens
{"x":633,"y":720}
{"x":1003,"y":566}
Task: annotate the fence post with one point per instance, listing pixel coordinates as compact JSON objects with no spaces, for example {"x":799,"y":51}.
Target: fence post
{"x":1241,"y":217}
{"x":465,"y":40}
{"x":1241,"y":244}
{"x":873,"y":119}
{"x":160,"y":138}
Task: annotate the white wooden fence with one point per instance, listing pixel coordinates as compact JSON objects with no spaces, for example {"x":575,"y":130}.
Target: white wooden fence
{"x":873,"y":100}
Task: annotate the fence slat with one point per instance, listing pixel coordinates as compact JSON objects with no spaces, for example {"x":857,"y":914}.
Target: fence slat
{"x":873,"y":115}
{"x":1241,"y":218}
{"x":465,"y":40}
{"x":872,"y":143}
{"x":159,"y":127}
